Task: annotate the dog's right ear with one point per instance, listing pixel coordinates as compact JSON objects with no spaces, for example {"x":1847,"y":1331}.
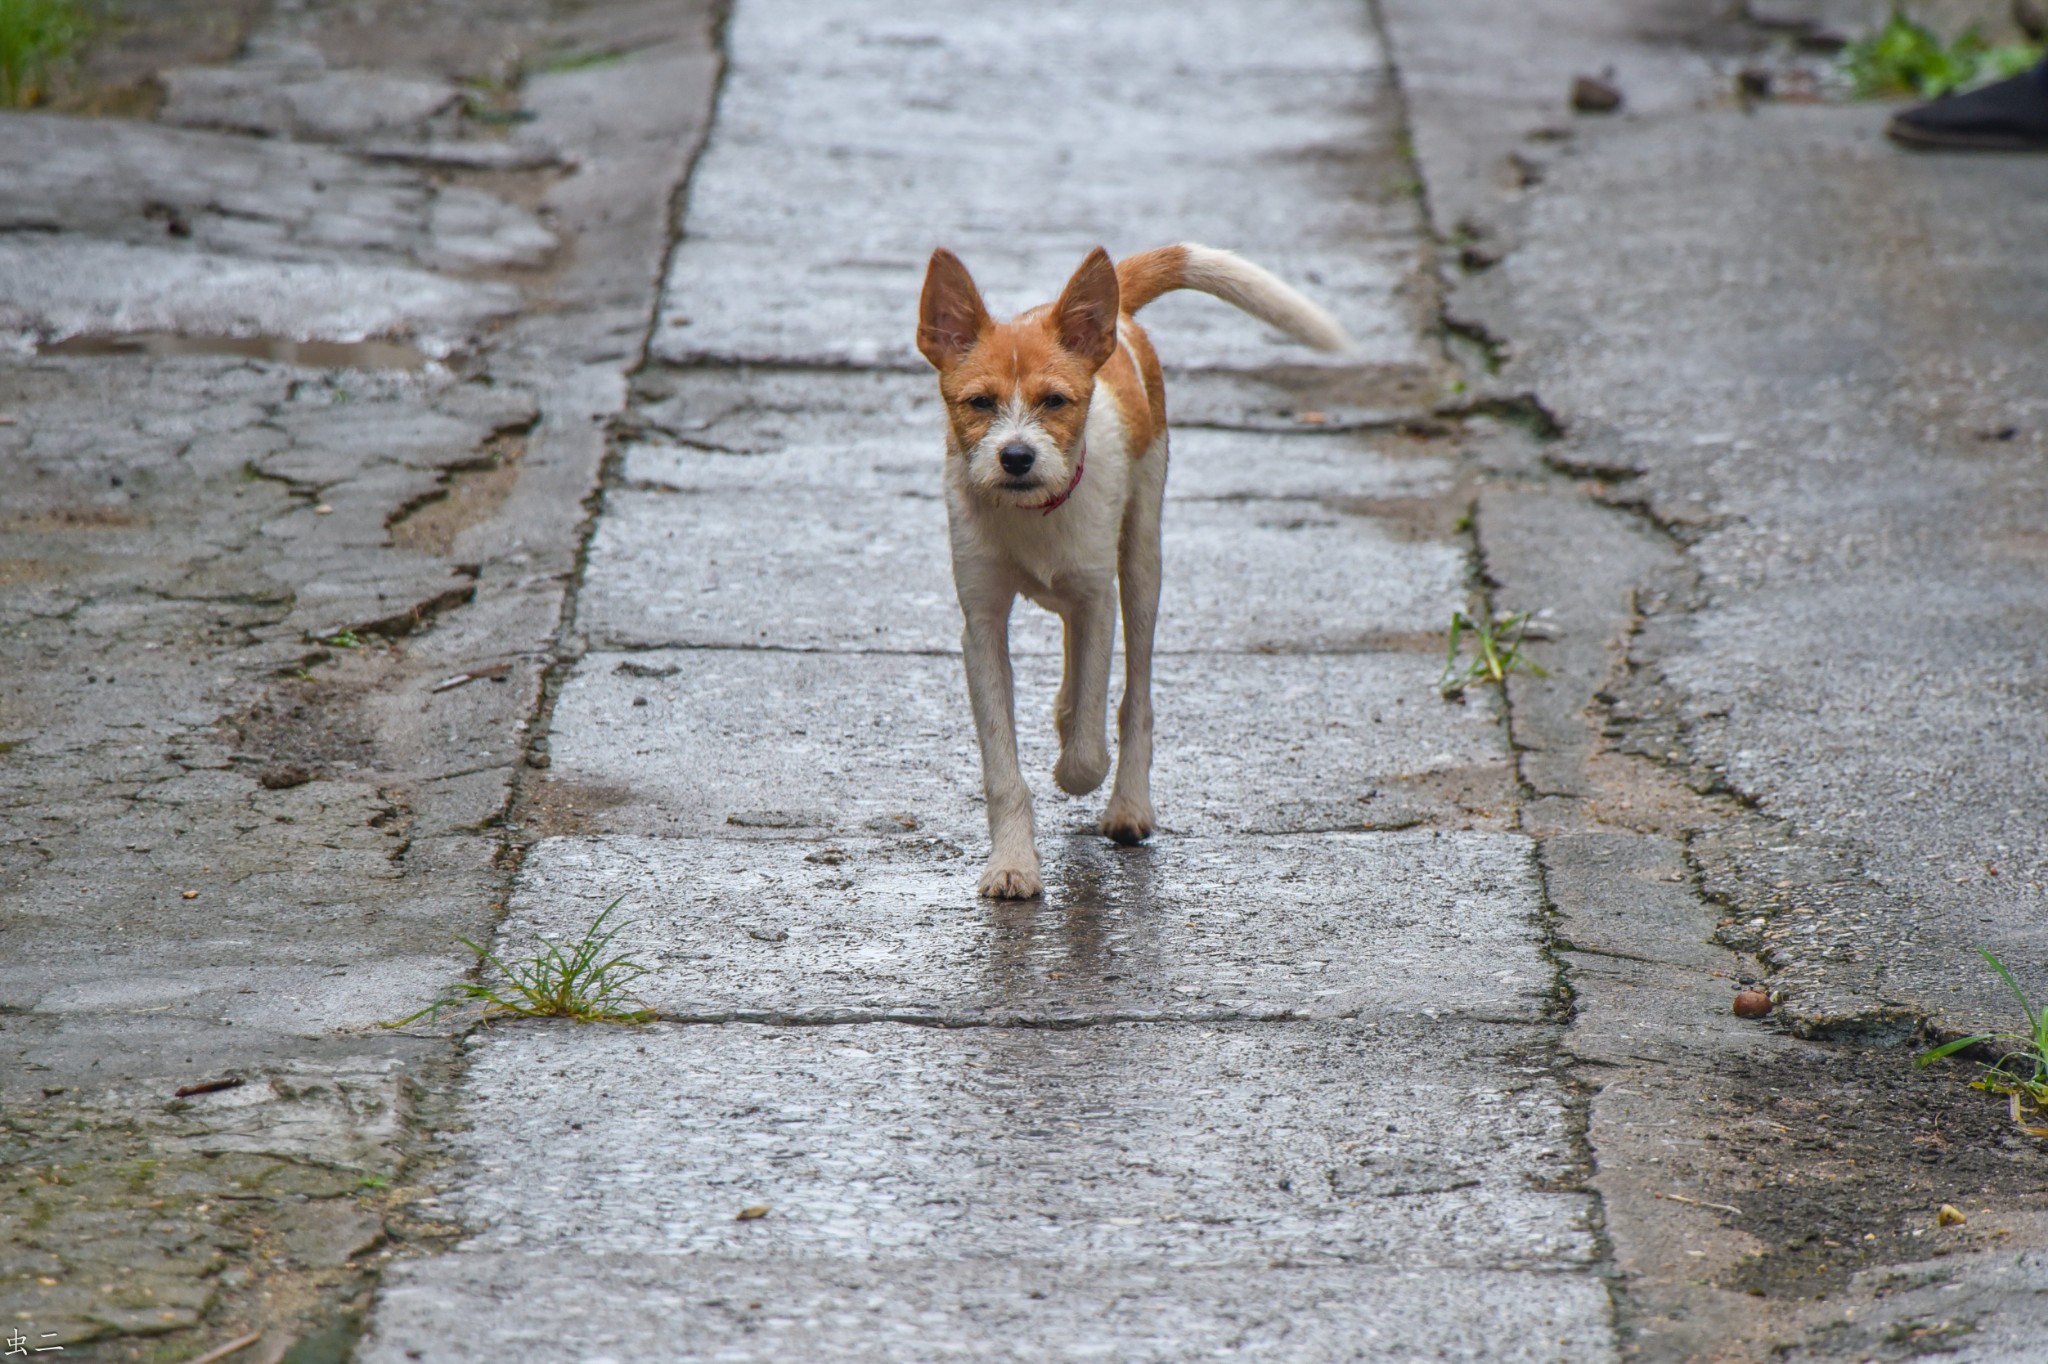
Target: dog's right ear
{"x":950,"y":316}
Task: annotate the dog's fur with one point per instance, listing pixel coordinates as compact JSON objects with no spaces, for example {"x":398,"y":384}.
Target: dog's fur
{"x":1027,"y":402}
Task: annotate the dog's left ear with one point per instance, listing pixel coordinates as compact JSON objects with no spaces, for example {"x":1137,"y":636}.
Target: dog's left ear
{"x":950,"y":316}
{"x":1086,"y":314}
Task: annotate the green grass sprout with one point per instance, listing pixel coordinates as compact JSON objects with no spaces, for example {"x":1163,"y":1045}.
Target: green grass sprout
{"x":37,"y":39}
{"x":1907,"y":58}
{"x":2021,"y":1074}
{"x":574,"y":59}
{"x":582,"y":983}
{"x":1497,"y":651}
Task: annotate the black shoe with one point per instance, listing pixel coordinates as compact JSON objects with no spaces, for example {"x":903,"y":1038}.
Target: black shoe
{"x":2010,"y":116}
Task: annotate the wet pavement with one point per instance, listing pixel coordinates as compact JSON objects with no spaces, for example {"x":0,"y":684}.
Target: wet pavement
{"x":1284,"y":1076}
{"x":244,"y":812}
{"x":1790,"y":735}
{"x":450,"y":503}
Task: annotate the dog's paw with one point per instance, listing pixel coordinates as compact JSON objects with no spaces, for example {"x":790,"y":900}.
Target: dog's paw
{"x":1128,"y":824}
{"x":1078,"y":773}
{"x":1003,"y":882}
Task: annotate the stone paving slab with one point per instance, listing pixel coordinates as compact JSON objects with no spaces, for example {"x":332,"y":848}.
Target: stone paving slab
{"x":734,"y":741}
{"x":884,"y":434}
{"x":67,"y":289}
{"x":1207,"y":463}
{"x":1327,"y":926}
{"x":266,"y":238}
{"x":809,"y":228}
{"x":858,"y":423}
{"x":639,"y":1307}
{"x":821,"y":570}
{"x":1365,"y":1143}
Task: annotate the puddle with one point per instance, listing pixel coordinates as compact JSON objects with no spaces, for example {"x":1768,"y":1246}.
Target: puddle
{"x":283,"y":350}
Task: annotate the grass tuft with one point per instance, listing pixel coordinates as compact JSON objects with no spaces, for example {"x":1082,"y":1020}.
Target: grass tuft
{"x":574,"y":59}
{"x":38,"y":38}
{"x":582,"y":983}
{"x":2021,"y":1074}
{"x":1906,"y":58}
{"x":1496,"y":652}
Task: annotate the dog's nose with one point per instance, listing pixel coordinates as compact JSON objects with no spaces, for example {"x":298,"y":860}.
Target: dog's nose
{"x":1017,"y":458}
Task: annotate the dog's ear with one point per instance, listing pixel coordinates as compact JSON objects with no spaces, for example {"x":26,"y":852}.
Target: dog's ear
{"x":1085,"y":317}
{"x":950,"y":317}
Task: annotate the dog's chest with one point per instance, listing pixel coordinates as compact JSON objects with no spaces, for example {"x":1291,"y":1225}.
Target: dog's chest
{"x":1043,"y":551}
{"x":1045,"y":555}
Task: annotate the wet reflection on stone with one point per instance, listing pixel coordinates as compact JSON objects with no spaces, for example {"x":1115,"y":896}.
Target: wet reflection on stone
{"x":1082,"y":934}
{"x":1190,"y":929}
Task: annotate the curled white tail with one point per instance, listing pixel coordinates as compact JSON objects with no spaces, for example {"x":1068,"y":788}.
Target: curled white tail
{"x":1235,"y":280}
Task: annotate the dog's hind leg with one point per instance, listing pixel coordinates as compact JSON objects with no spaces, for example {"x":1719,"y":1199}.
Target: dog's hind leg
{"x":1128,"y":817}
{"x":1082,"y":708}
{"x":1012,"y":872}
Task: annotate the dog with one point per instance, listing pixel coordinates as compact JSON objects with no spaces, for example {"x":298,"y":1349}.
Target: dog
{"x":1055,"y":479}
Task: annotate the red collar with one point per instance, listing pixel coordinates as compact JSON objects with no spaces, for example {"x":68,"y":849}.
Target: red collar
{"x":1080,"y":463}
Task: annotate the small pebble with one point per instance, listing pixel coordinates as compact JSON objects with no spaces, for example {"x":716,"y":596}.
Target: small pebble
{"x":1752,"y":1004}
{"x":1591,"y":95}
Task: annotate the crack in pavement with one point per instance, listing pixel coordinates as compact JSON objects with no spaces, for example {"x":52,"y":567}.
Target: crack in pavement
{"x":183,"y":522}
{"x":1681,"y":764}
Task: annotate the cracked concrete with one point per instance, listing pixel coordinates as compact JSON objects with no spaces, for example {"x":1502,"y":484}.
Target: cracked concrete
{"x":247,"y":812}
{"x":429,"y":521}
{"x":1775,"y":645}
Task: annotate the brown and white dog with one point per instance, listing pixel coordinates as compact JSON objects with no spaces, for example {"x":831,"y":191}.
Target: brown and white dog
{"x":1055,"y":474}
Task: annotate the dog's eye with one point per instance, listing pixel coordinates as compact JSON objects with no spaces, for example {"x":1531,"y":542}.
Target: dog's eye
{"x":1053,"y":402}
{"x":982,"y":402}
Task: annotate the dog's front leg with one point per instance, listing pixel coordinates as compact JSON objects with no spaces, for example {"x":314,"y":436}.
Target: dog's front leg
{"x":1090,"y":631}
{"x":1012,"y":872}
{"x":1128,"y":817}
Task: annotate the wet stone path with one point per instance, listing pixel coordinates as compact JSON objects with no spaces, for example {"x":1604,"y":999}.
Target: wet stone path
{"x":1279,"y":1086}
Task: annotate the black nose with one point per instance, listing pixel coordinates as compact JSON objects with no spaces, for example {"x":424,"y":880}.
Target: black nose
{"x":1017,"y":459}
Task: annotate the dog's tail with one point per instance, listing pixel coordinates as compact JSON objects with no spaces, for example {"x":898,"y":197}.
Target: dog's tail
{"x":1235,"y":280}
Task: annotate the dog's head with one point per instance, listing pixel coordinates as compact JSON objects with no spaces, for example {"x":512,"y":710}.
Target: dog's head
{"x":1017,"y":392}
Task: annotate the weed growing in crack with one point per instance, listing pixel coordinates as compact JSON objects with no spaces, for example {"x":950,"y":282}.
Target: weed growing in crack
{"x":1905,"y":58}
{"x":581,"y":983}
{"x":2022,"y":1073}
{"x":37,"y":39}
{"x":573,"y":59}
{"x":343,"y":639}
{"x":1496,"y":652}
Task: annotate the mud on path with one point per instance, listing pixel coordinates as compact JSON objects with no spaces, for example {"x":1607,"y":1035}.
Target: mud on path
{"x":1836,"y":1155}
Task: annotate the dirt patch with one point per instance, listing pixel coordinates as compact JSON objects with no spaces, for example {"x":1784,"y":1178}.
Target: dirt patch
{"x":1404,"y":642}
{"x":1632,"y":793}
{"x":1840,"y":1159}
{"x":1412,"y":520}
{"x":470,"y":496}
{"x":117,"y":73}
{"x":304,"y":728}
{"x":549,"y":808}
{"x":61,"y":519}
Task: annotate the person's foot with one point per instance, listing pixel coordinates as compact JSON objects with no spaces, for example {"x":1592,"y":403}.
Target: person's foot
{"x":2010,"y":116}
